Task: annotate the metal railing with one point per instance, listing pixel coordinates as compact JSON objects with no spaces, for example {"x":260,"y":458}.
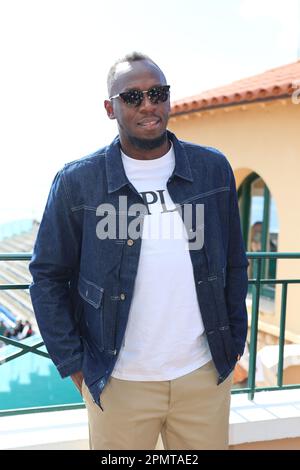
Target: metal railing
{"x":256,"y":282}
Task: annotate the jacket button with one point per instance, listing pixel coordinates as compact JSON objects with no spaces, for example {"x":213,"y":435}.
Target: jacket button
{"x":130,"y":242}
{"x":122,"y":296}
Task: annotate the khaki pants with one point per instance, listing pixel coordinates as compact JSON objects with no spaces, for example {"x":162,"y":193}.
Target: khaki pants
{"x":190,"y":412}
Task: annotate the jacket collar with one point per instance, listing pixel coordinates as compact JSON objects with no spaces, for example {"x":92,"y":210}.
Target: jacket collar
{"x":116,"y":176}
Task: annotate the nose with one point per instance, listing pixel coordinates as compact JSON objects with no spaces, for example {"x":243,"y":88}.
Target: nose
{"x":146,"y":103}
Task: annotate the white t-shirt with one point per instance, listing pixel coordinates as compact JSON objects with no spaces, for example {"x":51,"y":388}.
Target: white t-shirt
{"x":165,"y":337}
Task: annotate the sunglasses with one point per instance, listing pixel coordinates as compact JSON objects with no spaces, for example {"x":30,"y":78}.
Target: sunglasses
{"x":156,"y":94}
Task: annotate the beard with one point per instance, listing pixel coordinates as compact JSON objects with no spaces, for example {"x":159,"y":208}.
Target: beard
{"x":148,"y":144}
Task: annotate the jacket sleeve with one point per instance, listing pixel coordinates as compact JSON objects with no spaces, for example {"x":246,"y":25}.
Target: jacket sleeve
{"x":54,"y":262}
{"x":236,"y":273}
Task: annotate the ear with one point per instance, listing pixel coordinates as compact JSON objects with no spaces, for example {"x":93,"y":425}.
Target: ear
{"x":169,"y":104}
{"x":109,"y":109}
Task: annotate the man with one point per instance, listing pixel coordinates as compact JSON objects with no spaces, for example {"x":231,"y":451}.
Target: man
{"x":147,"y":320}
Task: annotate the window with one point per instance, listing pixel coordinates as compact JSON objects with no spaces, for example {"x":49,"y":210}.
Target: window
{"x":259,"y":226}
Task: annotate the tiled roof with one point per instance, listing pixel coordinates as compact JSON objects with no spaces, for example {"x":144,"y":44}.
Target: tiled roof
{"x":17,"y":302}
{"x":270,"y":84}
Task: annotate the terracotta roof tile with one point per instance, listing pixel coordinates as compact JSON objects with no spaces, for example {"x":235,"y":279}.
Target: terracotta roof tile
{"x":273,"y":83}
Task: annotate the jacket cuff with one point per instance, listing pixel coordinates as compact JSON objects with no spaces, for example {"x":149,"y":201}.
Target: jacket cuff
{"x":240,"y":347}
{"x":70,"y":366}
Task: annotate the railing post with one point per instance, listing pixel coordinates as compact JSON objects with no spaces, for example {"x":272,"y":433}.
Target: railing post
{"x":254,"y":327}
{"x":282,"y":334}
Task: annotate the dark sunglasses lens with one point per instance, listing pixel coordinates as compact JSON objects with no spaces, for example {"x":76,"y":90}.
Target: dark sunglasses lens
{"x":158,"y":94}
{"x":132,"y":97}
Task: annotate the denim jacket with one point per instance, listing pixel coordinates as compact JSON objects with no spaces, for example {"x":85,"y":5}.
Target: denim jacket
{"x":83,"y":286}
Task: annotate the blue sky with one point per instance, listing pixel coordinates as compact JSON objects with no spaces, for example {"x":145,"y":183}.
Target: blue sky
{"x":55,"y":55}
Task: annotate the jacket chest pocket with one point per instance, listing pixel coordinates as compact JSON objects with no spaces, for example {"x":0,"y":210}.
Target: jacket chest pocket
{"x":92,"y":312}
